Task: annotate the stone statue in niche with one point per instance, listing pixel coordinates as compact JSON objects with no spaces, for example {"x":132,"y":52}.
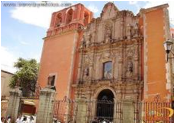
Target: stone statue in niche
{"x":108,"y":35}
{"x":129,"y":71}
{"x":135,"y":30}
{"x":86,"y":73}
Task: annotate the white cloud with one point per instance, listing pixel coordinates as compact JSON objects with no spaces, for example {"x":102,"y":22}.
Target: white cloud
{"x":93,"y":8}
{"x":24,"y":43}
{"x":20,"y":40}
{"x":135,"y":3}
{"x":41,"y":16}
{"x":38,"y":16}
{"x":132,"y":2}
{"x":154,"y":3}
{"x":7,"y":60}
{"x":171,"y":7}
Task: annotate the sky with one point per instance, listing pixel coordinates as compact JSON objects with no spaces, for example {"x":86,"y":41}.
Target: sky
{"x":22,"y":28}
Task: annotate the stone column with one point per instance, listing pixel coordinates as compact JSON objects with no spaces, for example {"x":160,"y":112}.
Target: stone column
{"x":88,"y":105}
{"x":94,"y":108}
{"x":115,"y":110}
{"x":91,"y":102}
{"x":81,"y":111}
{"x":46,"y":103}
{"x":120,"y":69}
{"x":118,"y":118}
{"x":128,"y":111}
{"x":14,"y":103}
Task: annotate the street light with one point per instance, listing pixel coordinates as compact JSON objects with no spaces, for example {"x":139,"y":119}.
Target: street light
{"x":168,"y":45}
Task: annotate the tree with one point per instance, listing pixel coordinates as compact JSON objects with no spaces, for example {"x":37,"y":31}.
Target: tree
{"x":26,"y":75}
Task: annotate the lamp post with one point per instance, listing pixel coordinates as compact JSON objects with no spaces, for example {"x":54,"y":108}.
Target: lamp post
{"x":168,"y":45}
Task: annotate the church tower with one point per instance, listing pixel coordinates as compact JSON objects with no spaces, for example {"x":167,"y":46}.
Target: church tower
{"x":59,"y":56}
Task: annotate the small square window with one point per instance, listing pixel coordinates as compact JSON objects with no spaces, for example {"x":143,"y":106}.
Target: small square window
{"x":51,"y":80}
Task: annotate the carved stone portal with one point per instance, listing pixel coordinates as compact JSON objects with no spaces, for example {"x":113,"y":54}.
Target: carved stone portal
{"x":110,"y":64}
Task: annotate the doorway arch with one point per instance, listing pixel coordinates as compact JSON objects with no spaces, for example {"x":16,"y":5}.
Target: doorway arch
{"x":105,"y":105}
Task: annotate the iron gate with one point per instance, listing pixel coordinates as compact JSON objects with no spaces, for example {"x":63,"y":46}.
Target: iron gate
{"x":105,"y":110}
{"x":158,"y":111}
{"x":68,"y":110}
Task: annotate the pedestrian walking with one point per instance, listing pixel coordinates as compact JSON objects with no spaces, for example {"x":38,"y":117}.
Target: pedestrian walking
{"x":24,"y":119}
{"x":3,"y":120}
{"x":31,"y":119}
{"x":19,"y":119}
{"x":8,"y":119}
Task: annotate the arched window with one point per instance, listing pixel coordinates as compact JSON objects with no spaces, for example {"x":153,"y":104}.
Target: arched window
{"x":86,"y":18}
{"x":69,"y":16}
{"x":107,"y":70}
{"x":58,"y":20}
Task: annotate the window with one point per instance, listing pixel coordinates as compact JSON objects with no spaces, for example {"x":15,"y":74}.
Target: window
{"x":69,"y":16}
{"x":51,"y":80}
{"x":107,"y":70}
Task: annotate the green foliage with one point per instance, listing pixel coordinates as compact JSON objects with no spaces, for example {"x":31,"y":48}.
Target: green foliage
{"x":26,"y":76}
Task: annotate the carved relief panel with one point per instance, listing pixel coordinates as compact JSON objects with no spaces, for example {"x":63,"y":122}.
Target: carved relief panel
{"x":114,"y":37}
{"x":131,"y":61}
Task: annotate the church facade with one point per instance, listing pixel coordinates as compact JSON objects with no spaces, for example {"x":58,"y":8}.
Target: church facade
{"x":117,"y":58}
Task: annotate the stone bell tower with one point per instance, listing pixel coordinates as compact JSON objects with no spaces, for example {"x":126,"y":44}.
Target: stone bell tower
{"x":59,"y":56}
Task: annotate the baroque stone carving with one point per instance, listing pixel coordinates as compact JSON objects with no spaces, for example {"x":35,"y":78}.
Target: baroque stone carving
{"x":88,"y":40}
{"x":128,"y":31}
{"x":129,"y":71}
{"x":108,"y":35}
{"x":86,"y":73}
{"x":120,"y":27}
{"x":106,"y":56}
{"x":135,"y":30}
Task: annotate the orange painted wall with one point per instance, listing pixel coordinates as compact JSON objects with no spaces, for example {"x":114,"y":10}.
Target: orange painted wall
{"x":56,"y":58}
{"x":60,"y":55}
{"x":156,"y":75}
{"x":76,"y":64}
